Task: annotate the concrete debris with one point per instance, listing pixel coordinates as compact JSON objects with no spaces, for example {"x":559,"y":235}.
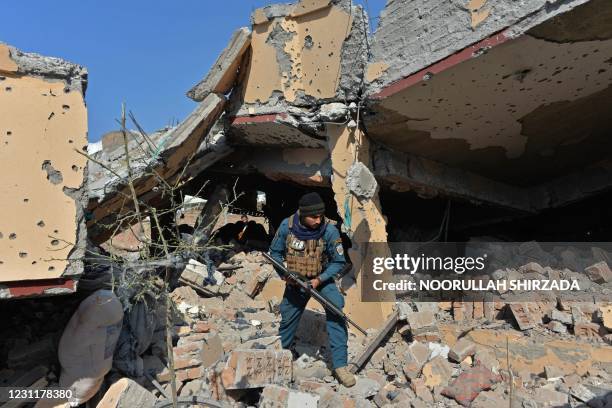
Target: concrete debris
{"x":333,"y":112}
{"x":599,"y":273}
{"x":360,"y":181}
{"x":462,"y":349}
{"x":126,"y":393}
{"x":275,"y":396}
{"x":222,"y":76}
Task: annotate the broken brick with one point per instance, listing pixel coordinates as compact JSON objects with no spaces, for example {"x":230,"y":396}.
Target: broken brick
{"x":588,"y":330}
{"x":462,"y":349}
{"x":599,"y":273}
{"x":420,"y":320}
{"x":465,"y":388}
{"x":202,"y":327}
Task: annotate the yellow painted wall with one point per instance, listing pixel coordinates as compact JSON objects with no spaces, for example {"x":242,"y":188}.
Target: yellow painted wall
{"x":39,"y":122}
{"x":315,"y":69}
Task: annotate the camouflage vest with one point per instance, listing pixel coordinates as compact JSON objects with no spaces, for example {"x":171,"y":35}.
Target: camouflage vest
{"x":306,"y":258}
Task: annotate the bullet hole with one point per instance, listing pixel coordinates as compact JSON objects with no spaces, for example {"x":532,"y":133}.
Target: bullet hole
{"x":308,"y":42}
{"x":66,"y":90}
{"x":601,"y":71}
{"x":2,"y":78}
{"x":70,"y":141}
{"x":40,"y":223}
{"x":51,"y":115}
{"x":84,"y":148}
{"x":12,"y":235}
{"x":23,"y":254}
{"x":55,"y":242}
{"x":54,"y":176}
{"x":8,"y":133}
{"x":66,"y":107}
{"x":51,"y":268}
{"x":75,"y":168}
{"x":25,"y":200}
{"x":56,"y":231}
{"x":8,"y":89}
{"x":33,"y":262}
{"x":1,"y":262}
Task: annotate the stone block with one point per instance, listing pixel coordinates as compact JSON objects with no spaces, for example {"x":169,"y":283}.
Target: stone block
{"x":420,"y":320}
{"x":462,"y":349}
{"x":257,"y":368}
{"x":437,"y":372}
{"x":126,"y":393}
{"x":275,"y":396}
{"x":599,"y":272}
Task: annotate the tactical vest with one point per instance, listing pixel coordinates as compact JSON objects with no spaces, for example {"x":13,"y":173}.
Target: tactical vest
{"x":306,"y":258}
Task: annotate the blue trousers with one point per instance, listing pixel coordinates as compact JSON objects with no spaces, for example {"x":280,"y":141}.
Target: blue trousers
{"x":292,"y":307}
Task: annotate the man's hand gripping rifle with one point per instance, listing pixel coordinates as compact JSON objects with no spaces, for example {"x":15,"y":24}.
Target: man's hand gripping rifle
{"x":295,"y":278}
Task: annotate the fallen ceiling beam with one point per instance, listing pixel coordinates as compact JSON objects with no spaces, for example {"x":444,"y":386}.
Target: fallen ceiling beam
{"x":405,"y":172}
{"x":222,"y":76}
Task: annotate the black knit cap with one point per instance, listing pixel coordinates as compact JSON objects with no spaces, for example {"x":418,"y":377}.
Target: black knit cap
{"x":311,"y":204}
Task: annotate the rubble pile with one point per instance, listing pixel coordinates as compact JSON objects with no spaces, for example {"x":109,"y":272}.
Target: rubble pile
{"x":226,"y":347}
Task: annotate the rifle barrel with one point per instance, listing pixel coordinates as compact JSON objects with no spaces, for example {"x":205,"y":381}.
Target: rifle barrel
{"x":314,"y":293}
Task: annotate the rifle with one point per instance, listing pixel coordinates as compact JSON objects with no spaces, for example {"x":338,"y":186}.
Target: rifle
{"x":312,"y":292}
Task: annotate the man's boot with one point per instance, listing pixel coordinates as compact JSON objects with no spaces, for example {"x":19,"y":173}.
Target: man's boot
{"x":344,"y":376}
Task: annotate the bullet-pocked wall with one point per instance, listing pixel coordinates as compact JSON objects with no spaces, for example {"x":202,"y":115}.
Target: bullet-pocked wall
{"x":43,"y":122}
{"x":305,"y":52}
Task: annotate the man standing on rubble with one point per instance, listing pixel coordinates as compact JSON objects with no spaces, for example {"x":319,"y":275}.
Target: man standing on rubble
{"x":312,"y":248}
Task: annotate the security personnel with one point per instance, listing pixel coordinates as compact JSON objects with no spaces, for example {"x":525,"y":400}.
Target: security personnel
{"x":312,"y":248}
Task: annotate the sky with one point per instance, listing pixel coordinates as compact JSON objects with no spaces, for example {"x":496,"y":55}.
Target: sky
{"x":146,"y":53}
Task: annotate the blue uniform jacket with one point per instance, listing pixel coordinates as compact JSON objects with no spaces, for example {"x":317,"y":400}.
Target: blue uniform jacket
{"x":333,"y":249}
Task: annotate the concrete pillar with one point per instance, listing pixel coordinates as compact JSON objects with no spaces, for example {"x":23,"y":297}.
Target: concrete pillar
{"x":368,"y":224}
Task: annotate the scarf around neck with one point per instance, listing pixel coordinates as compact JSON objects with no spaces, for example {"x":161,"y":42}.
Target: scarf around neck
{"x":304,"y":233}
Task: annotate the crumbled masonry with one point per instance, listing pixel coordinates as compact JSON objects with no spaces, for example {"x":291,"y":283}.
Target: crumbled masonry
{"x":473,"y":121}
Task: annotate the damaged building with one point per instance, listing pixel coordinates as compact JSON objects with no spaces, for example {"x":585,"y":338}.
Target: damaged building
{"x":44,"y":120}
{"x":453,"y":121}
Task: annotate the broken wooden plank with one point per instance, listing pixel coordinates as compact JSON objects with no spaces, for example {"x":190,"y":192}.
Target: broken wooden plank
{"x":221,"y":77}
{"x":375,"y":343}
{"x":197,"y":288}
